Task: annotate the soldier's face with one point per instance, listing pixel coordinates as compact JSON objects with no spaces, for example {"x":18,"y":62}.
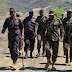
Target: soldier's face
{"x":68,"y":14}
{"x":51,"y":17}
{"x":12,"y":13}
{"x":62,"y":15}
{"x":41,"y":13}
{"x":31,"y":14}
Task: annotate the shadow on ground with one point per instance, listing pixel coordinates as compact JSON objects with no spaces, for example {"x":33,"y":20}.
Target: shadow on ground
{"x":38,"y":69}
{"x":32,"y":68}
{"x":55,"y":64}
{"x":6,"y":68}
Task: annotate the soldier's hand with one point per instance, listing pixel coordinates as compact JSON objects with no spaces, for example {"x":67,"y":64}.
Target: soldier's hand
{"x":1,"y":36}
{"x":35,"y":34}
{"x":22,"y":37}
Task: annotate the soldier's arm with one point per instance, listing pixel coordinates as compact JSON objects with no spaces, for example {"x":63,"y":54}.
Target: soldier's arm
{"x":46,"y":27}
{"x":21,"y":26}
{"x":36,"y":27}
{"x":4,"y":28}
{"x":37,"y":20}
{"x":61,"y":29}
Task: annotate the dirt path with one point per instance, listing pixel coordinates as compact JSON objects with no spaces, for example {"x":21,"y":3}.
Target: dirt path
{"x":31,"y":65}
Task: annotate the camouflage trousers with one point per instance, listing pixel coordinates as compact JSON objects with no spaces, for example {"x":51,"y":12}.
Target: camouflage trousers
{"x":67,"y":45}
{"x":20,"y":44}
{"x":66,"y":50}
{"x":13,"y":45}
{"x":39,"y":39}
{"x":29,"y":44}
{"x":54,"y":45}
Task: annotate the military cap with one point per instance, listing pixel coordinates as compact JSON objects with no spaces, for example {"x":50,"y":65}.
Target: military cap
{"x":30,"y":11}
{"x":11,"y":9}
{"x":69,"y":11}
{"x":51,"y":12}
{"x":41,"y":10}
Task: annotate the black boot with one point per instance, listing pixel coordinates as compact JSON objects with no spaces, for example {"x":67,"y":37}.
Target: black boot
{"x":26,"y":56}
{"x":43,"y":55}
{"x":38,"y":54}
{"x":31,"y":55}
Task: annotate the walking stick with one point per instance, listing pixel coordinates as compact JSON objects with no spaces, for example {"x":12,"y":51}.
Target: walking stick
{"x":22,"y":54}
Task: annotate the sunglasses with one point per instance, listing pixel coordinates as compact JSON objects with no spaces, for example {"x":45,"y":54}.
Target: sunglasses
{"x":30,"y":12}
{"x":11,"y":11}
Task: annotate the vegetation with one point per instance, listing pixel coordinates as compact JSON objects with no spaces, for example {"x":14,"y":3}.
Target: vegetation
{"x":25,"y":5}
{"x":58,"y":12}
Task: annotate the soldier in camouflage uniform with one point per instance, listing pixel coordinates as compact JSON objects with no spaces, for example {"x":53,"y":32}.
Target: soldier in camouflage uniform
{"x":67,"y":36}
{"x":62,"y":17}
{"x":41,"y":20}
{"x":14,"y":25}
{"x":29,"y":26}
{"x":61,"y":35}
{"x":52,"y":37}
{"x":20,"y":41}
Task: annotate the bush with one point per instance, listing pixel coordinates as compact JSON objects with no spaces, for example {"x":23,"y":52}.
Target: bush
{"x":58,"y":12}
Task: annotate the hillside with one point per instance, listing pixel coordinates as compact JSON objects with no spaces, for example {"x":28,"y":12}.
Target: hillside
{"x":25,"y":5}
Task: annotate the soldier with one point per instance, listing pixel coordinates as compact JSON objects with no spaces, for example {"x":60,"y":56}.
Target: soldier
{"x":29,"y":26}
{"x":14,"y":25}
{"x":52,"y":37}
{"x":20,"y":41}
{"x":61,"y":35}
{"x":62,"y":17}
{"x":66,"y":24}
{"x":41,"y":20}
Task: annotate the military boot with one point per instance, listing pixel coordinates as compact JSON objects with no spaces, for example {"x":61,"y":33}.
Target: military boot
{"x":14,"y":65}
{"x":66,"y":59}
{"x":26,"y":55}
{"x":31,"y":55}
{"x":38,"y":54}
{"x":53,"y":66}
{"x":70,"y":62}
{"x":43,"y":55}
{"x":48,"y":62}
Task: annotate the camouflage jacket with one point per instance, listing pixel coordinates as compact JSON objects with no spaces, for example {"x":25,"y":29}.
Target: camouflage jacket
{"x":65,"y":25}
{"x":41,"y":26}
{"x":68,"y":30}
{"x":14,"y":26}
{"x":53,"y":28}
{"x":29,"y":26}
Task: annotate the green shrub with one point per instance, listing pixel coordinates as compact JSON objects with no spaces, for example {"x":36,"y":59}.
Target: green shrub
{"x":58,"y":12}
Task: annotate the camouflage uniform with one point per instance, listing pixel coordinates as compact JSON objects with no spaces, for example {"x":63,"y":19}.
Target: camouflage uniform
{"x":29,"y":31}
{"x":52,"y":37}
{"x":67,"y":23}
{"x":20,"y":41}
{"x":69,"y":34}
{"x":41,"y":32}
{"x":14,"y":25}
{"x":65,"y":41}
